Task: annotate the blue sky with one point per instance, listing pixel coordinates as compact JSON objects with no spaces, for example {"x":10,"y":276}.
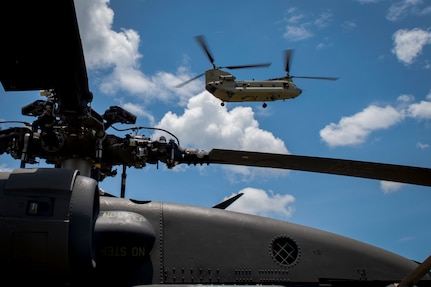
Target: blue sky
{"x":378,"y":110}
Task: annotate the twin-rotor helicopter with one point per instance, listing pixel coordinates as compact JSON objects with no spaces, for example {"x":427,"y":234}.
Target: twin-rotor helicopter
{"x":225,"y":87}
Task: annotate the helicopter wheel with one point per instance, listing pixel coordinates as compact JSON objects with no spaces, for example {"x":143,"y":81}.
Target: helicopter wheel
{"x":264,"y":105}
{"x":222,"y":104}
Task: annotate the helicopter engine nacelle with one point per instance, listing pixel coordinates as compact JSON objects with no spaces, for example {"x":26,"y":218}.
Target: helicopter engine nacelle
{"x":47,"y":219}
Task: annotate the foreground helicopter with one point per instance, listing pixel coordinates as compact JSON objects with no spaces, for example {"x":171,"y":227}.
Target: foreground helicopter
{"x":58,"y":229}
{"x":224,"y":85}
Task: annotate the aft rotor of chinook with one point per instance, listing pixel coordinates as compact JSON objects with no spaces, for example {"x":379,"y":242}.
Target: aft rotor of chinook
{"x":288,"y":55}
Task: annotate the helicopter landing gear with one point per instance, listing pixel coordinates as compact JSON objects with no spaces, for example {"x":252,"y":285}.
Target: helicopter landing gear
{"x":264,"y":105}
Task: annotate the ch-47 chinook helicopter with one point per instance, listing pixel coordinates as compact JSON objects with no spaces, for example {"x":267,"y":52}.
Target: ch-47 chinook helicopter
{"x":224,"y":85}
{"x":58,"y":229}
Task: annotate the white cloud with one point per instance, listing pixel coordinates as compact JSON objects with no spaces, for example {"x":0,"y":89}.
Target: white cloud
{"x":421,"y":110}
{"x":421,"y":145}
{"x":103,"y":46}
{"x":349,"y":25}
{"x":5,"y":168}
{"x":403,"y":8}
{"x":260,"y":202}
{"x":117,"y":53}
{"x":390,"y":186}
{"x":405,"y":98}
{"x":297,"y":33}
{"x":300,"y":26}
{"x":408,"y":44}
{"x":207,"y":125}
{"x":355,"y":129}
{"x":139,"y":111}
{"x":323,"y":19}
{"x":407,"y":238}
{"x":400,"y":9}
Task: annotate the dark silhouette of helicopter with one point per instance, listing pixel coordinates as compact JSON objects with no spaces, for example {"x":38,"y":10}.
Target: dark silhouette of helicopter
{"x":227,"y":88}
{"x":58,"y":229}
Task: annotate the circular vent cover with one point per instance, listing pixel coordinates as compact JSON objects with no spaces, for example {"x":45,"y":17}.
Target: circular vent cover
{"x":285,"y":251}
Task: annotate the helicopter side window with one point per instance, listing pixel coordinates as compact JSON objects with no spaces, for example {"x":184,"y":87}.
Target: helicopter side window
{"x":229,"y":78}
{"x":286,"y":85}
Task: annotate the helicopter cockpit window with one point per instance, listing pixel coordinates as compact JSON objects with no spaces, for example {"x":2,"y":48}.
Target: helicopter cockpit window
{"x":227,"y":78}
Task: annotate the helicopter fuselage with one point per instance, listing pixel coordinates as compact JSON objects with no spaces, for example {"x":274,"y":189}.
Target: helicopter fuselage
{"x":224,"y":86}
{"x":70,"y":233}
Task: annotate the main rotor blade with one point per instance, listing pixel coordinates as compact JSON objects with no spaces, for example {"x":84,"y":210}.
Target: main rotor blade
{"x":202,"y":42}
{"x":247,"y":66}
{"x":288,"y":59}
{"x":188,"y":81}
{"x":39,"y":53}
{"x":316,"y":78}
{"x":372,"y":170}
{"x":417,"y":274}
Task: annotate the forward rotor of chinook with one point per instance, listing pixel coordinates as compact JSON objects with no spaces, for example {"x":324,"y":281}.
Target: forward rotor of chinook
{"x":204,"y":46}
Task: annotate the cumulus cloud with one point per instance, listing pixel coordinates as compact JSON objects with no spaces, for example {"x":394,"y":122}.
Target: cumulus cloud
{"x":421,"y":110}
{"x":355,"y":129}
{"x":206,"y":125}
{"x":117,"y":52}
{"x":408,"y":44}
{"x":103,"y":46}
{"x":264,"y":203}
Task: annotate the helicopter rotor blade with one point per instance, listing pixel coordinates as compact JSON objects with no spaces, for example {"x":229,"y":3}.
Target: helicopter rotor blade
{"x":288,"y":59}
{"x":247,"y":66}
{"x":363,"y":169}
{"x":188,"y":81}
{"x":288,"y":54}
{"x":413,"y":278}
{"x":25,"y":66}
{"x":316,"y":78}
{"x":203,"y":44}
